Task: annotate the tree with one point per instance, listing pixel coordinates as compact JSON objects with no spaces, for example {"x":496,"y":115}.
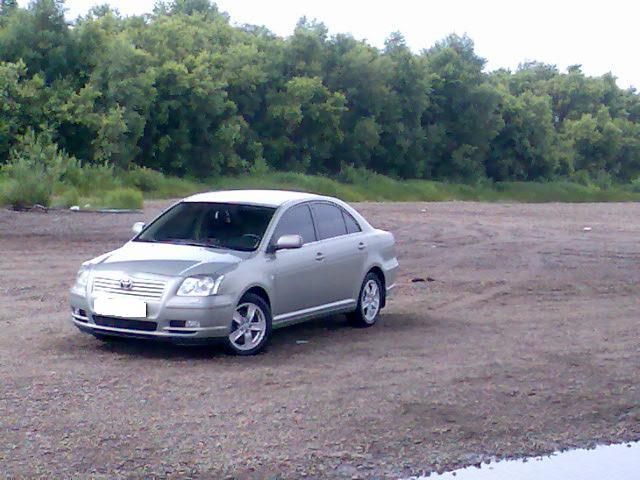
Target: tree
{"x":39,"y":36}
{"x":358,"y":71}
{"x":306,"y":126}
{"x":24,"y":105}
{"x":306,"y":49}
{"x":7,"y":7}
{"x":127,"y":92}
{"x":596,"y":141}
{"x":403,"y":140}
{"x":184,"y":91}
{"x":463,"y":118}
{"x":523,"y":148}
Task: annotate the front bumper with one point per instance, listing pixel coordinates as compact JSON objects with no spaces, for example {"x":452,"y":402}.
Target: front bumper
{"x":164,"y":317}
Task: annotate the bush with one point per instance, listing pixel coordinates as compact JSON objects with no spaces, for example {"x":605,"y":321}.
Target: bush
{"x":26,"y":185}
{"x":259,"y":167}
{"x":36,"y":165}
{"x":126,"y":198}
{"x":581,"y":177}
{"x":144,"y":179}
{"x":68,"y":197}
{"x":603,"y":180}
{"x":635,"y":185}
{"x":30,"y":171}
{"x":96,"y":177}
{"x":349,"y":174}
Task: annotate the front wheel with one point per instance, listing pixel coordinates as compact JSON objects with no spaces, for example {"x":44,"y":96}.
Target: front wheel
{"x":250,"y":327}
{"x":369,"y":302}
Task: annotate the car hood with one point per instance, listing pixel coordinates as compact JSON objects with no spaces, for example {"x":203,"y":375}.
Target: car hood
{"x":167,"y":259}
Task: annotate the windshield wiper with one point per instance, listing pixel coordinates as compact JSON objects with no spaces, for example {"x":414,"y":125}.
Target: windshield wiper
{"x":191,"y":243}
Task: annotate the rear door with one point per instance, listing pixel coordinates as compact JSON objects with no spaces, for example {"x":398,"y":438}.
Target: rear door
{"x":344,"y":251}
{"x":296,"y":270}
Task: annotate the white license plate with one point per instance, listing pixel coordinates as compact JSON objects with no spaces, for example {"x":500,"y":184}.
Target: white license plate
{"x":120,"y":307}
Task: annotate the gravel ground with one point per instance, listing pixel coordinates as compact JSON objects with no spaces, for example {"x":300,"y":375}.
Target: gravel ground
{"x":522,"y":339}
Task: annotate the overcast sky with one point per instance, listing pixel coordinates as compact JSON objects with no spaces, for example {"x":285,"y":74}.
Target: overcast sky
{"x":603,"y":36}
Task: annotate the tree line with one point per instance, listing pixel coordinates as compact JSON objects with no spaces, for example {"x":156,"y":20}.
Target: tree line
{"x":183,"y":91}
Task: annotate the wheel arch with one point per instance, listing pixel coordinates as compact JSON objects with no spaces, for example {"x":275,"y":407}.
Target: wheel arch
{"x":260,"y":291}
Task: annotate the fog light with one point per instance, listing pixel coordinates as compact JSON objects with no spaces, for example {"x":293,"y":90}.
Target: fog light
{"x":192,"y":324}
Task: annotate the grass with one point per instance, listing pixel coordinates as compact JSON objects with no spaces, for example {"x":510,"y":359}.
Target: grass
{"x":103,"y":188}
{"x":373,"y":187}
{"x":123,"y":198}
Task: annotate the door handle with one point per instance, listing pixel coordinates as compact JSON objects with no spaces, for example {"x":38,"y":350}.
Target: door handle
{"x":362,"y":246}
{"x":319,"y":256}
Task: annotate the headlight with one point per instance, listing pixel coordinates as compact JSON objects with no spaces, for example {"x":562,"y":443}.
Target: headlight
{"x":200,"y":286}
{"x":82,"y":278}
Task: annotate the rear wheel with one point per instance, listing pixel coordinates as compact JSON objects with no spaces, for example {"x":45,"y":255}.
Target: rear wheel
{"x":250,"y":327}
{"x":369,"y":302}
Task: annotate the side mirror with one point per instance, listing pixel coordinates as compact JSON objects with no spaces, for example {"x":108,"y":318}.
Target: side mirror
{"x":288,"y":242}
{"x":137,"y":227}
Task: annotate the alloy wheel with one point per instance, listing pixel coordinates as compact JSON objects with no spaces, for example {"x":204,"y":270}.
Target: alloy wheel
{"x":370,"y":300}
{"x":249,"y":326}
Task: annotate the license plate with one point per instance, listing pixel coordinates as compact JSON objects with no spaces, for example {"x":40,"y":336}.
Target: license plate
{"x":120,"y":307}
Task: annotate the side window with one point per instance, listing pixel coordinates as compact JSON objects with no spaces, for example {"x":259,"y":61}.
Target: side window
{"x":329,"y":220}
{"x":352,"y":224}
{"x":296,"y":221}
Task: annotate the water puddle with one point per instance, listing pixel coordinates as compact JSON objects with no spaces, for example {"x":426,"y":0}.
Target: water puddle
{"x":610,"y":462}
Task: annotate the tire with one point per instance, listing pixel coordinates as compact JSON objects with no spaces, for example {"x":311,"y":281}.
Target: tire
{"x":250,"y":326}
{"x":370,"y":302}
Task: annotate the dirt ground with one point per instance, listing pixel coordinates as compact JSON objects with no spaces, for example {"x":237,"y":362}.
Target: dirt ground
{"x":525,"y":341}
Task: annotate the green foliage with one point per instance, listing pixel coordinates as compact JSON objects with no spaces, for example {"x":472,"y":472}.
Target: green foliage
{"x":25,"y":187}
{"x":144,"y":179}
{"x":355,"y":184}
{"x":122,"y":198}
{"x":35,"y":164}
{"x":39,"y":36}
{"x":184,"y":92}
{"x":67,"y":197}
{"x":582,"y":177}
{"x":365,"y":185}
{"x":92,"y":177}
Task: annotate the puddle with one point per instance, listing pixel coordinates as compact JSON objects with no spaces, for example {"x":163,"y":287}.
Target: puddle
{"x":610,"y":462}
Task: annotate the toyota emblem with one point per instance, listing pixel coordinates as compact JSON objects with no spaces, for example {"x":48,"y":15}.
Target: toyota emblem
{"x":126,"y":284}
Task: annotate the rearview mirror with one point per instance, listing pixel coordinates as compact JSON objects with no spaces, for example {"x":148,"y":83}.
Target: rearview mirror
{"x":137,"y":227}
{"x":288,"y":242}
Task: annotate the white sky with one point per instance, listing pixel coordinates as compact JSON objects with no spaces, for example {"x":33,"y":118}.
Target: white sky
{"x":602,"y":36}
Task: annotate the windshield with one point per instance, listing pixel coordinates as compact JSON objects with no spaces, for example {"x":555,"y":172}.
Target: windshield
{"x":218,"y":225}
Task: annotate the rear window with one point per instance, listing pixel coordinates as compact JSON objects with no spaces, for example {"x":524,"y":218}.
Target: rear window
{"x":352,"y":224}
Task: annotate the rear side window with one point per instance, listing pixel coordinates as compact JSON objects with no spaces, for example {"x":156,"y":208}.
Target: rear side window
{"x":329,"y":221}
{"x":352,"y":225}
{"x":296,"y":221}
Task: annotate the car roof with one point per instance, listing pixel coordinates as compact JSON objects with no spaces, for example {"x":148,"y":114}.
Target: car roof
{"x":267,"y":198}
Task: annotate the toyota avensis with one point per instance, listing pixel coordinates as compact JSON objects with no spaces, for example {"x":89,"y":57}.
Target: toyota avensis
{"x":232,"y":265}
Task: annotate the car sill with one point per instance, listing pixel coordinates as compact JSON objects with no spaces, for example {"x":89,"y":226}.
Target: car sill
{"x":327,"y":307}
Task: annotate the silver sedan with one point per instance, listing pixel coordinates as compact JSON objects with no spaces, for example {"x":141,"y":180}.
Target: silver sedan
{"x":233,"y":265}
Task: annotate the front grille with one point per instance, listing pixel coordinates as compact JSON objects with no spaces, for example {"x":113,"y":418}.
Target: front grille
{"x":138,"y":288}
{"x":113,"y":322}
